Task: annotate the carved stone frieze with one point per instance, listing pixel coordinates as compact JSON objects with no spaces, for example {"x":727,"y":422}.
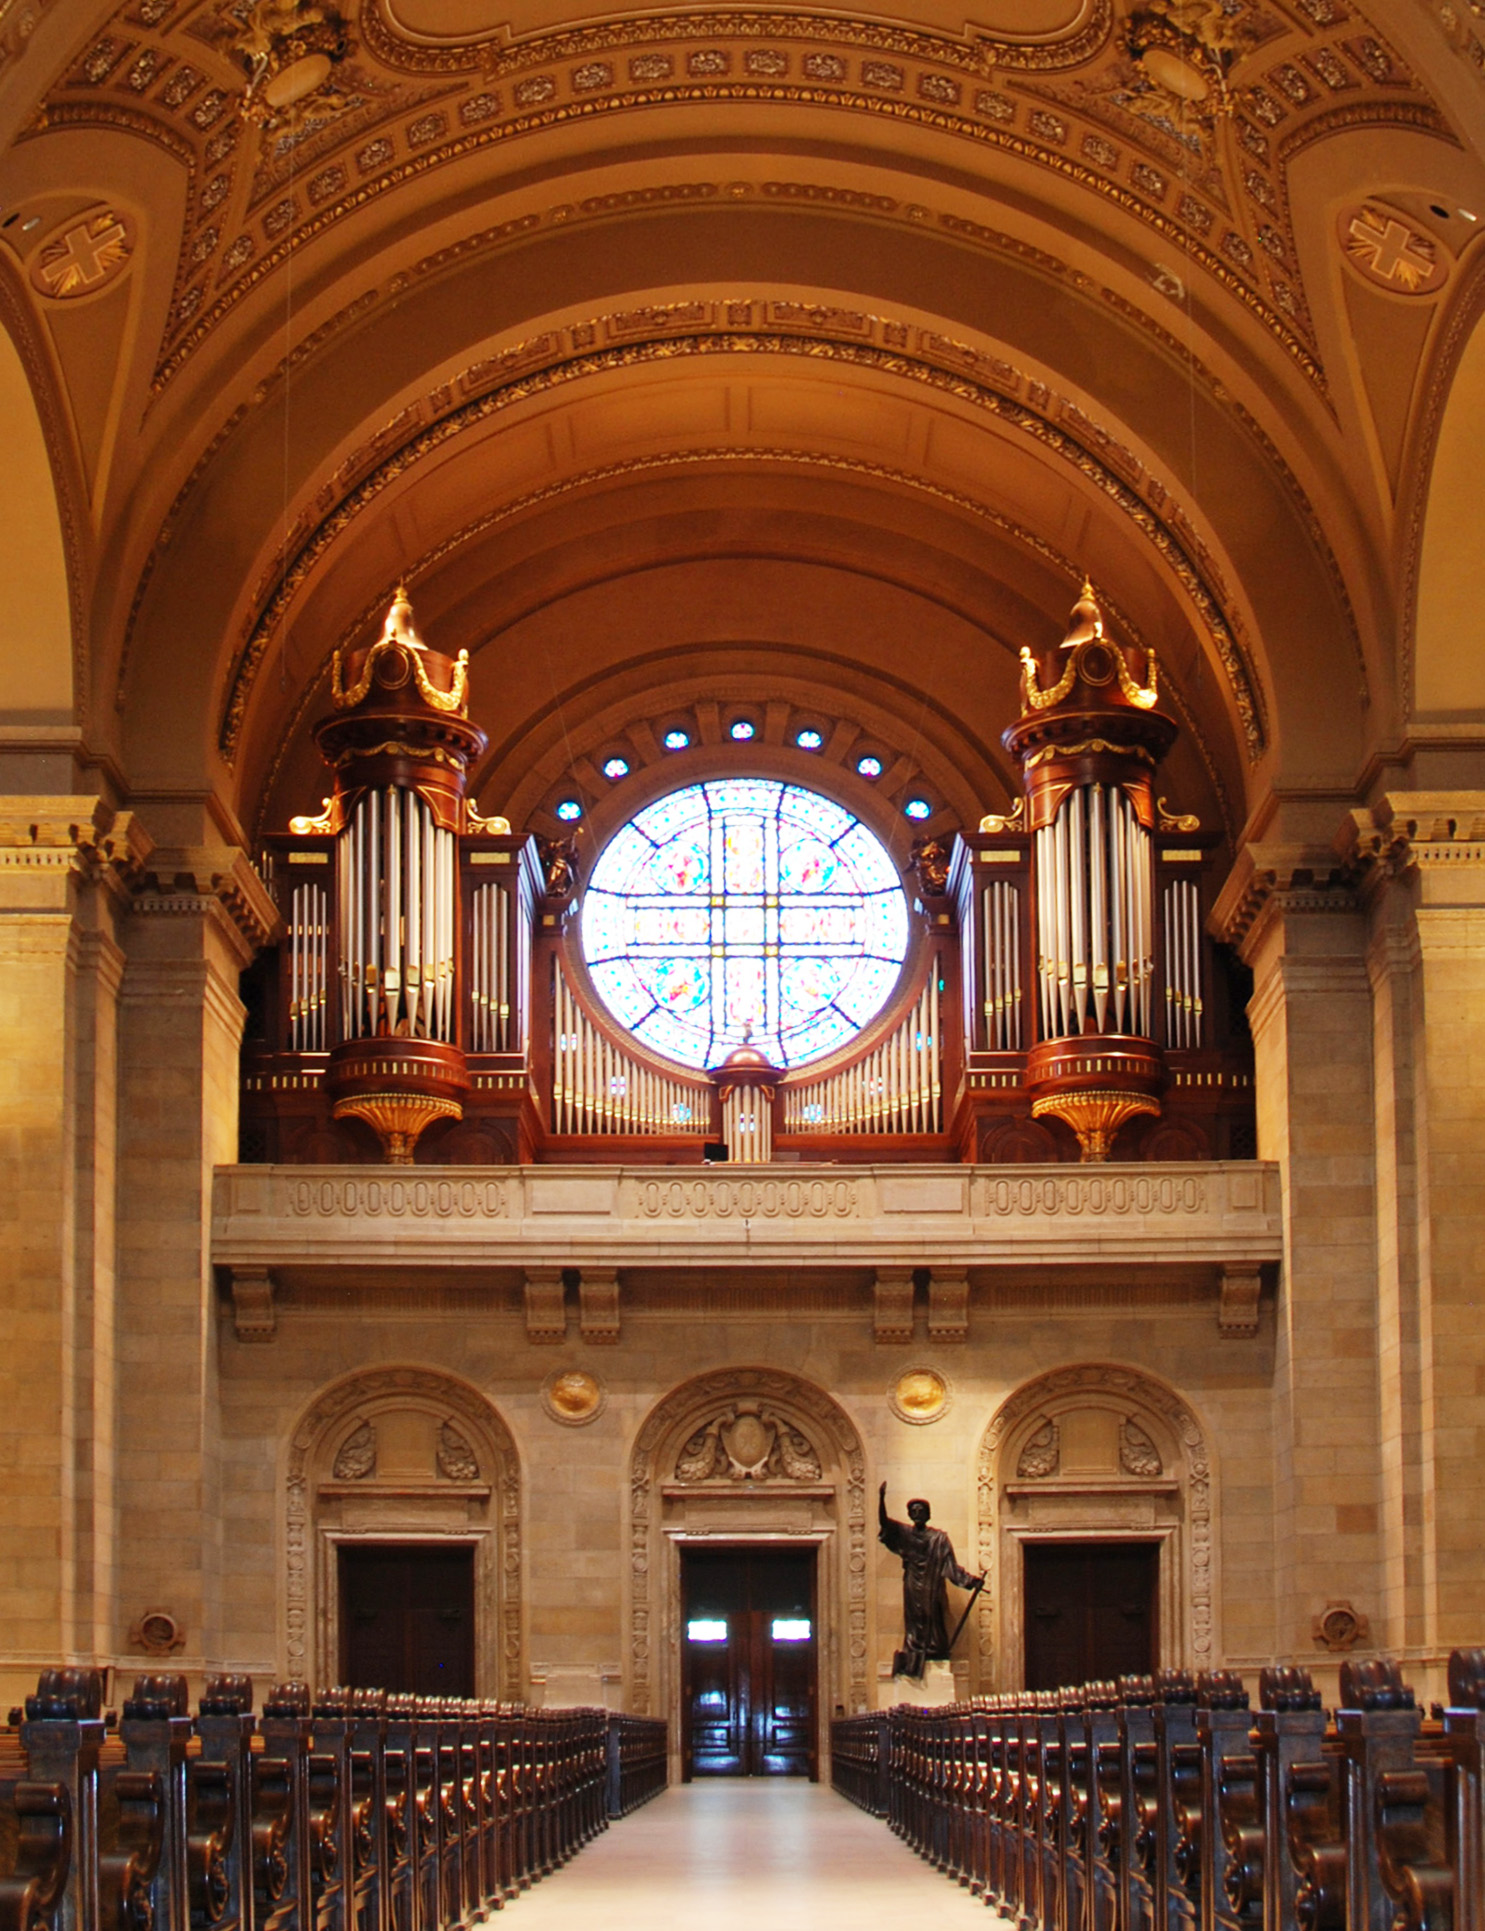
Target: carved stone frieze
{"x":894,"y":1221}
{"x":355,"y":1459}
{"x":747,"y":1442}
{"x":1041,"y":1454}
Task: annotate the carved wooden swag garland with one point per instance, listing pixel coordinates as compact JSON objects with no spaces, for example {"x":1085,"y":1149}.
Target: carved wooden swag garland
{"x":1139,"y":1457}
{"x":749,"y":1430}
{"x":468,"y":1419}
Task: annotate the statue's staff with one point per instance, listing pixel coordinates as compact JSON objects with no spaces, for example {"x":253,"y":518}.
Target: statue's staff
{"x":973,"y":1598}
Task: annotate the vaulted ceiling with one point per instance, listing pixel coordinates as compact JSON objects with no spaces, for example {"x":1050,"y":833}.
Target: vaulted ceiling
{"x":805,"y":360}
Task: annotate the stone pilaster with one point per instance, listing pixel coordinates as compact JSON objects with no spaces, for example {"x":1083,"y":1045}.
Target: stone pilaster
{"x":65,"y":862}
{"x":1302,"y":931}
{"x":189,"y":934}
{"x":1419,"y":859}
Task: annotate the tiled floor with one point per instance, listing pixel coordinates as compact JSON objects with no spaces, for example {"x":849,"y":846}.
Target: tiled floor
{"x":744,"y":1854}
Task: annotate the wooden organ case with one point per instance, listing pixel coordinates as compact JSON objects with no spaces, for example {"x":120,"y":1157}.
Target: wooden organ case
{"x":428,"y":998}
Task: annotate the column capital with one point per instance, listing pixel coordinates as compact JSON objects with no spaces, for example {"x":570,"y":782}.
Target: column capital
{"x":1436,"y":834}
{"x":59,"y":837}
{"x":217,"y":880}
{"x":1271,"y":880}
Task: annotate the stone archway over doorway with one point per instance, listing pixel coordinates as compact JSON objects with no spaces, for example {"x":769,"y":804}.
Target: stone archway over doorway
{"x":402,"y":1455}
{"x":747,"y":1455}
{"x":1097,"y":1453}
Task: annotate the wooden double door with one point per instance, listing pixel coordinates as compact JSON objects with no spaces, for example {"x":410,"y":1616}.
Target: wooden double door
{"x":749,"y":1662}
{"x":407,"y":1617}
{"x":1090,"y":1611}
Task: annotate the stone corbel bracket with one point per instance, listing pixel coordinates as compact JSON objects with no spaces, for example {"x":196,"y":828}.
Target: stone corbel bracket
{"x":598,"y":1304}
{"x":254,"y":1316}
{"x":948,"y":1305}
{"x":546,"y":1306}
{"x":1237,"y":1305}
{"x":892,"y":1306}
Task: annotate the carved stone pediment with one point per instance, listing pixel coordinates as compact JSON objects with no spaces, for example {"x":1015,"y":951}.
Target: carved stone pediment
{"x":747,"y":1442}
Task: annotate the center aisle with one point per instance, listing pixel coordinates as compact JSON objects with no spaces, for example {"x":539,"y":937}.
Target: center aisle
{"x":731,"y":1854}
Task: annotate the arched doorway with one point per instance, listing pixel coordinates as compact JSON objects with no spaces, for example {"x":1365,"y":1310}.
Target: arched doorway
{"x":1095,"y":1478}
{"x":753,"y":1459}
{"x":383,"y":1466}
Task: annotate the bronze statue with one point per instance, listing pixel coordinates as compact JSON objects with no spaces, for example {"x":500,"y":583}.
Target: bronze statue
{"x":928,"y":1563}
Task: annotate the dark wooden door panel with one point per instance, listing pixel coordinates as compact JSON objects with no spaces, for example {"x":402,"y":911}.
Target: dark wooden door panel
{"x":748,"y":1662}
{"x":1090,"y":1611}
{"x":407,"y":1618}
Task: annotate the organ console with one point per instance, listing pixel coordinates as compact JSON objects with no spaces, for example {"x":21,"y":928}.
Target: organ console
{"x":430,"y":998}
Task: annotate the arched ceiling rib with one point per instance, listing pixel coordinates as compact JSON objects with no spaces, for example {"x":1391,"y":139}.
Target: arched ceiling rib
{"x":1167,"y":321}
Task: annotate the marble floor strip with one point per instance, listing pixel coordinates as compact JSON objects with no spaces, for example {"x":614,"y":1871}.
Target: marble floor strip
{"x":734,"y":1854}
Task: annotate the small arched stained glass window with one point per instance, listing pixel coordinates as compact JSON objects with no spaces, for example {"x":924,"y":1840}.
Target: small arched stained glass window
{"x":744,"y":909}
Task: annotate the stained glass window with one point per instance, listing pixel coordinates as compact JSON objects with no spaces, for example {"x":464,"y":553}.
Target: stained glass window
{"x":744,"y":909}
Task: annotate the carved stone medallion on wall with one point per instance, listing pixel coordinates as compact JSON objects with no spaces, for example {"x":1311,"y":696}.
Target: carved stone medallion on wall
{"x":573,"y":1397}
{"x":1096,"y":1452}
{"x":402,"y":1454}
{"x":747,"y":1453}
{"x":919,"y":1396}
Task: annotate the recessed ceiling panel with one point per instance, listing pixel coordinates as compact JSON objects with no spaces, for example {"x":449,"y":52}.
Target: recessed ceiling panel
{"x":448,"y":22}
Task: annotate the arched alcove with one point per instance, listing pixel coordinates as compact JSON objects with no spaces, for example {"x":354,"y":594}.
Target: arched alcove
{"x":807,"y":1484}
{"x":1096,"y":1452}
{"x":402,"y":1454}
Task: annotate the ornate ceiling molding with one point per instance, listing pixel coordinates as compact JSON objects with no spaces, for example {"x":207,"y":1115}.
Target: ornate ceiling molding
{"x":495,"y":55}
{"x":1023,"y":403}
{"x":400,"y":110}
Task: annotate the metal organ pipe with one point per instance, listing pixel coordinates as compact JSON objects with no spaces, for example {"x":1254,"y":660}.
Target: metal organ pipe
{"x":397,"y":919}
{"x":1183,"y":992}
{"x":597,"y":1088}
{"x":1094,"y":917}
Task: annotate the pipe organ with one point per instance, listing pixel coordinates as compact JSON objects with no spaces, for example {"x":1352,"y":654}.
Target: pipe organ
{"x":896,"y":1087}
{"x":430,"y":991}
{"x":599,"y":1088}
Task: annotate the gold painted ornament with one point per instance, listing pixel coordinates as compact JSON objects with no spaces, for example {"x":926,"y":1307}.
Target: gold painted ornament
{"x":919,"y":1396}
{"x":573,"y":1397}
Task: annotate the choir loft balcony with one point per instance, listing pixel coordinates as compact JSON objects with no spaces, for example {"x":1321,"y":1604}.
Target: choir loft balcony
{"x":893,"y":1239}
